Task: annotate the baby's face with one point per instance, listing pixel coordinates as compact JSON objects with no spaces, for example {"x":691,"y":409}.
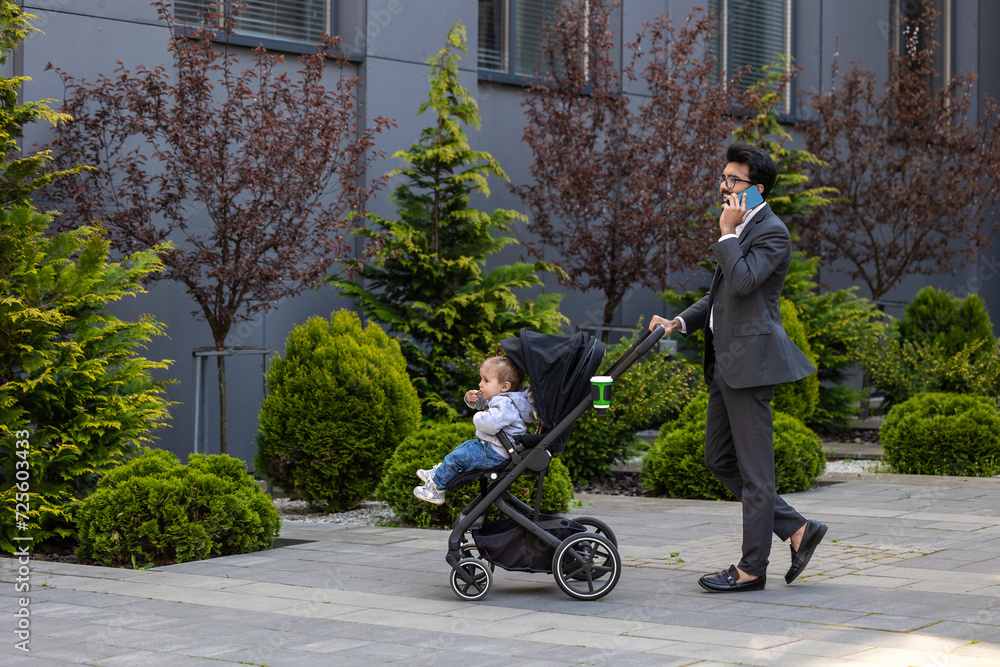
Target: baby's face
{"x":490,"y":385}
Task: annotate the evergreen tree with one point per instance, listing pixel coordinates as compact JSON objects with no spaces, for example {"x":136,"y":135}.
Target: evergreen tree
{"x":71,"y":388}
{"x":428,"y":283}
{"x":75,"y":401}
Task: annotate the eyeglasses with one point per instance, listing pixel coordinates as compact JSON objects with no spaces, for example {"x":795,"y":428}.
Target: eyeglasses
{"x":730,"y":181}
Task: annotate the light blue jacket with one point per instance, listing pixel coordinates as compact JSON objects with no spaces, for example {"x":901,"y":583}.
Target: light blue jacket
{"x":510,"y":412}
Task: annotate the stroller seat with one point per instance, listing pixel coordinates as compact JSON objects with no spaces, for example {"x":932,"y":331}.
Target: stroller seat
{"x":471,"y":475}
{"x":520,"y":443}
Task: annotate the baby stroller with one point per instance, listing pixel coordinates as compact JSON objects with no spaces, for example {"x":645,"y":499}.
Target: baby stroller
{"x":582,"y":552}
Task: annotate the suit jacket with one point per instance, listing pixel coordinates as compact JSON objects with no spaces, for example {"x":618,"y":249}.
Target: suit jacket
{"x":750,"y":346}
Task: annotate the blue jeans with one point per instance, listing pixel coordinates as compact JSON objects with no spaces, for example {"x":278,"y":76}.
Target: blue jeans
{"x":470,"y":455}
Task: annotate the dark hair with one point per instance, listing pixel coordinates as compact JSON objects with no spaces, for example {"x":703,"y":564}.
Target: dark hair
{"x":506,"y":370}
{"x":762,"y":169}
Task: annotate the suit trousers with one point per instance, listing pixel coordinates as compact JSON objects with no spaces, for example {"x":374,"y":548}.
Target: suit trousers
{"x":739,"y":451}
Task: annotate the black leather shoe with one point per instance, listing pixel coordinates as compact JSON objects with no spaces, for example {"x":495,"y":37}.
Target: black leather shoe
{"x":810,"y":540}
{"x":725,"y":582}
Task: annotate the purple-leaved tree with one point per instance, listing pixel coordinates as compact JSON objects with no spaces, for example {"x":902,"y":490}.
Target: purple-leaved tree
{"x":255,"y":175}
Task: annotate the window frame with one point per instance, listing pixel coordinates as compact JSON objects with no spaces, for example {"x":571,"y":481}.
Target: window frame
{"x":787,"y":113}
{"x":509,"y":55}
{"x":277,"y":44}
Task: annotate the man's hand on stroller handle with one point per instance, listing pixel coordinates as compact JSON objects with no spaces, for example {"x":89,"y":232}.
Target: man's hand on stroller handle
{"x":669,"y":326}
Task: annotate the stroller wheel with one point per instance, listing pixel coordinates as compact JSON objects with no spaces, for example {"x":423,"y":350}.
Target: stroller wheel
{"x":597,"y":526}
{"x":586,"y":566}
{"x":470,"y":549}
{"x":481,"y":575}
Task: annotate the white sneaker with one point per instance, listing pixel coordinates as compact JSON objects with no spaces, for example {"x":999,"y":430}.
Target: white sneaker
{"x":425,"y":475}
{"x":429,"y":493}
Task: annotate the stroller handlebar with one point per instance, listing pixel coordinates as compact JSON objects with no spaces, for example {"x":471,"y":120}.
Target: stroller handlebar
{"x":643,"y":345}
{"x":638,"y":349}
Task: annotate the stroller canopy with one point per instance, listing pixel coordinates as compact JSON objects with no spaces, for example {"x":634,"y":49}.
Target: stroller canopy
{"x":560,"y":368}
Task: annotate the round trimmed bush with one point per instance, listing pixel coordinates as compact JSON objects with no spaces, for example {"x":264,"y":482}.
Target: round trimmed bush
{"x":675,"y":464}
{"x":155,"y":510}
{"x":938,"y":317}
{"x":798,"y":398}
{"x":943,"y":434}
{"x":651,"y":392}
{"x":429,"y":445}
{"x":338,"y":403}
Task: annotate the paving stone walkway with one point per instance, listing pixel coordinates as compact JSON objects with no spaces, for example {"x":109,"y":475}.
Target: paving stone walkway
{"x":909,"y":574}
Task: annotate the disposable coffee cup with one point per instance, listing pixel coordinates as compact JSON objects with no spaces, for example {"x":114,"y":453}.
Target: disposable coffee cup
{"x":602,"y":393}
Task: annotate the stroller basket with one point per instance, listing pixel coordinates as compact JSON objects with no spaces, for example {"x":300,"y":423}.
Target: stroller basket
{"x":513,"y":547}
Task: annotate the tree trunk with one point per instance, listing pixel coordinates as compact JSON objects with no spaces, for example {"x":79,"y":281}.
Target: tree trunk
{"x":223,"y":406}
{"x":610,"y":306}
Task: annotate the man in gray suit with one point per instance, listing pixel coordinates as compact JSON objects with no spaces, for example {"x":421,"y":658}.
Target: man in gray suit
{"x":747,"y":353}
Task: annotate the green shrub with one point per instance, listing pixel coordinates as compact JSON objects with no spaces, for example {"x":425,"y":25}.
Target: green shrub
{"x":943,"y":434}
{"x":902,"y":368}
{"x":338,"y":404}
{"x":651,"y":392}
{"x":835,"y":322}
{"x":942,"y":344}
{"x":935,"y":317}
{"x":154,"y":510}
{"x":797,"y":398}
{"x":72,"y":386}
{"x":429,"y":445}
{"x":675,"y":464}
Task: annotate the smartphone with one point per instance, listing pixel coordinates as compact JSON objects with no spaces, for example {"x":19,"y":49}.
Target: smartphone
{"x":753,"y":197}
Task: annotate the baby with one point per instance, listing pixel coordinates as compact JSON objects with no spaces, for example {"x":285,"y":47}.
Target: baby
{"x":502,"y":406}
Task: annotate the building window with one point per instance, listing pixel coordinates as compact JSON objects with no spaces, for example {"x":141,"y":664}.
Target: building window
{"x":270,"y":22}
{"x":511,"y":35}
{"x":903,"y":30}
{"x":752,"y":33}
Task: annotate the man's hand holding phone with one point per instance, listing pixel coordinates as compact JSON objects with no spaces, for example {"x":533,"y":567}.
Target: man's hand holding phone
{"x":735,"y":207}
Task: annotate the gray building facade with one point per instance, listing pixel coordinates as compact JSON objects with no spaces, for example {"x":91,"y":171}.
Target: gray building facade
{"x":389,"y":42}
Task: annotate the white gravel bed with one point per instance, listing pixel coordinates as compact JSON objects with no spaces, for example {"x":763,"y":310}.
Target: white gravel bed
{"x":371,"y":513}
{"x":848,"y":466}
